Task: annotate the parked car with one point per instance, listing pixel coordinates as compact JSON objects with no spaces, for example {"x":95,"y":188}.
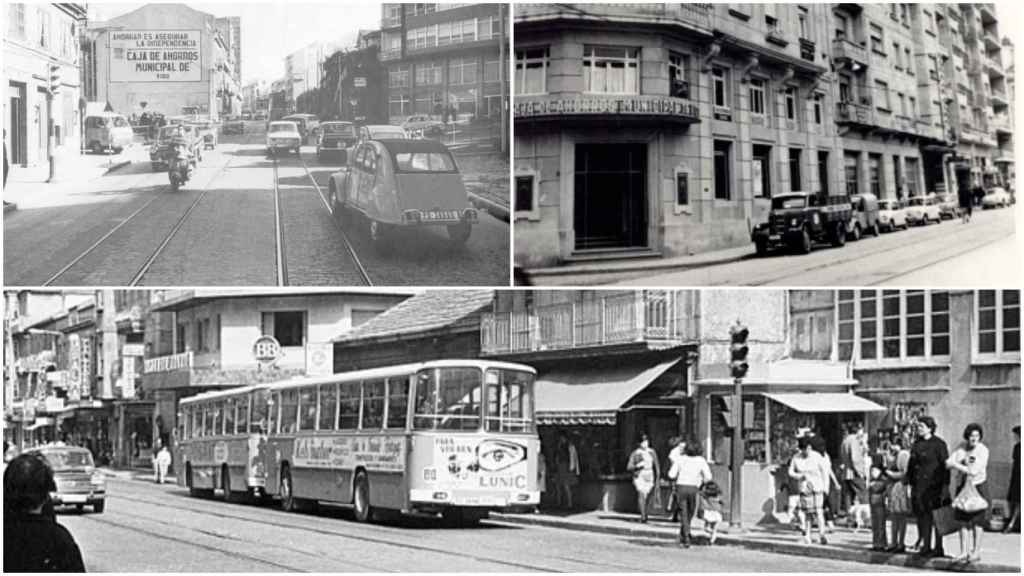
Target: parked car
{"x":308,"y":125}
{"x":923,"y":209}
{"x":892,"y":215}
{"x":283,"y":135}
{"x":949,"y":206}
{"x":798,"y":219}
{"x":381,"y":132}
{"x":77,"y":480}
{"x":161,"y":146}
{"x":864,"y":216}
{"x":207,"y":131}
{"x":402,"y":184}
{"x":995,"y":198}
{"x":423,"y":125}
{"x":336,"y":137}
{"x":107,"y":131}
{"x":233,"y":125}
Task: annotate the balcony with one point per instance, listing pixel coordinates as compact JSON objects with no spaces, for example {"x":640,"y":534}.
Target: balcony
{"x":856,"y":114}
{"x":657,"y":318}
{"x":904,"y":125}
{"x":185,"y":370}
{"x":1001,"y":124}
{"x":849,"y":51}
{"x":999,"y":98}
{"x":991,"y":39}
{"x":693,"y":16}
{"x":777,"y":37}
{"x":391,"y":54}
{"x":182,"y":361}
{"x":987,"y":12}
{"x":993,"y":66}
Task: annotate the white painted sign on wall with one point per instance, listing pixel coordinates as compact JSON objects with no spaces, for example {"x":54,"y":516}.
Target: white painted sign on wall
{"x":156,"y":56}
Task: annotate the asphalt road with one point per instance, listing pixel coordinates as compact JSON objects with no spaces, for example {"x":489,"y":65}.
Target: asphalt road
{"x":151,"y":528}
{"x":244,"y":219}
{"x":981,"y":253}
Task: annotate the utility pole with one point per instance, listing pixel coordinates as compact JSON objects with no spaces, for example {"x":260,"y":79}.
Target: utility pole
{"x":53,"y":89}
{"x":504,"y":78}
{"x":738,"y":366}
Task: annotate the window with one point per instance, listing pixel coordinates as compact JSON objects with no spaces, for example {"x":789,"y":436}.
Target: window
{"x":611,"y":69}
{"x":16,"y":20}
{"x":398,"y":105}
{"x":791,"y":104}
{"x":940,"y":323}
{"x":762,"y":164}
{"x":373,"y":404}
{"x":182,"y":338}
{"x":845,"y":88}
{"x":723,"y":189}
{"x":802,"y":18}
{"x":851,"y":163}
{"x":998,"y":321}
{"x":896,"y":173}
{"x":875,"y":174}
{"x":509,"y":401}
{"x":891,"y":308}
{"x":526,"y":194}
{"x":398,"y":77}
{"x":915,"y":319}
{"x":492,"y":71}
{"x":719,"y":86}
{"x":845,"y":303}
{"x":819,"y":102}
{"x":757,"y":97}
{"x":682,"y":188}
{"x":348,"y":405}
{"x":448,"y":399}
{"x":242,"y":416}
{"x":897,"y":56}
{"x":842,"y":26}
{"x":679,"y":87}
{"x":795,"y":183}
{"x":289,"y":411}
{"x":823,"y":174}
{"x":328,"y":406}
{"x":392,"y":15}
{"x":868,"y":325}
{"x":893,"y":324}
{"x":43,"y":15}
{"x":217,"y":419}
{"x":910,"y":180}
{"x":882,"y":96}
{"x":909,"y":61}
{"x":462,"y":71}
{"x":229,"y":416}
{"x":288,"y":328}
{"x":903,"y":103}
{"x":428,"y":73}
{"x":877,"y":40}
{"x":398,"y":402}
{"x":912,"y":107}
{"x":307,"y":409}
{"x":531,"y":71}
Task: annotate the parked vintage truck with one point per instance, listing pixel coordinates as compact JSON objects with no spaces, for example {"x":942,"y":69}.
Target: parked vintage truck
{"x":799,"y":219}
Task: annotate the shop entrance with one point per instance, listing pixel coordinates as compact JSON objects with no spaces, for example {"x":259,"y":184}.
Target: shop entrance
{"x":610,"y":196}
{"x":16,"y":125}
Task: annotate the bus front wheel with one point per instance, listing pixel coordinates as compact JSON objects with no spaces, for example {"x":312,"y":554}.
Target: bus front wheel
{"x":361,"y":498}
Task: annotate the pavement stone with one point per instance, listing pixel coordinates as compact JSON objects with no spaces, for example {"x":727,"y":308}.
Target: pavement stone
{"x":31,"y":182}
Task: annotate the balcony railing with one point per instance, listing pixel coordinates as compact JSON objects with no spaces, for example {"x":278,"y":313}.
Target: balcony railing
{"x":654,"y":315}
{"x":1001,"y":123}
{"x":851,"y":113}
{"x":999,"y":97}
{"x":391,"y":54}
{"x":992,"y":65}
{"x":695,"y":15}
{"x":182,"y":361}
{"x":844,"y":49}
{"x":991,"y":38}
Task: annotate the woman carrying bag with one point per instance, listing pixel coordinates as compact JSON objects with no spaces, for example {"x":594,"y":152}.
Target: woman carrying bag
{"x":897,"y":502}
{"x":971,"y":502}
{"x":643,"y":463}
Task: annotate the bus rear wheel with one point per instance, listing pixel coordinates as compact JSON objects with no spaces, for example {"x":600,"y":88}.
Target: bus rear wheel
{"x":361,"y":498}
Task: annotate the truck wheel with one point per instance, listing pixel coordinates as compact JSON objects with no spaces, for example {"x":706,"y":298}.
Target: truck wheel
{"x":804,"y":246}
{"x":874,"y":230}
{"x":839,"y":235}
{"x":361,"y":498}
{"x":856,"y":232}
{"x":761,"y":247}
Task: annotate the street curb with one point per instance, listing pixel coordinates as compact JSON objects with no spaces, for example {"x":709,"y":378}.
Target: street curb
{"x":616,"y":266}
{"x":493,"y":208}
{"x":788,"y":548}
{"x":117,"y":166}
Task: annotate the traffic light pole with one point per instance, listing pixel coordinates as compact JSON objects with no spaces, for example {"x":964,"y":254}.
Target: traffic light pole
{"x":49,"y":136}
{"x":736,"y":482}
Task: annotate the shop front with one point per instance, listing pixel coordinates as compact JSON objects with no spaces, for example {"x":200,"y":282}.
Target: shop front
{"x":132,"y":433}
{"x":88,"y":425}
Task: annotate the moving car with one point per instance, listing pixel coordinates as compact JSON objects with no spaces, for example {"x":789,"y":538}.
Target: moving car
{"x":336,"y":137}
{"x":162,"y":145}
{"x":949,"y":206}
{"x":283,"y":135}
{"x":107,"y":131}
{"x":798,"y":219}
{"x":923,"y":209}
{"x":864,"y":216}
{"x":395,"y":184}
{"x":996,"y":198}
{"x":423,"y":125}
{"x":308,"y":124}
{"x":892,"y":215}
{"x":78,"y":481}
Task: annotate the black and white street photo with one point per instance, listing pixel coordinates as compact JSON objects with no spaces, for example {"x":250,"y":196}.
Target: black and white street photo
{"x":750,"y":144}
{"x":262,"y":144}
{"x":704,"y":430}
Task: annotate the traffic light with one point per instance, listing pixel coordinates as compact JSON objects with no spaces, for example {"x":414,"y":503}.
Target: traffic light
{"x":54,"y":78}
{"x":738,"y":350}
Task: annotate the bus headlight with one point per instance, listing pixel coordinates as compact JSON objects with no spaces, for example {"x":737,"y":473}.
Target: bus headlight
{"x":440,"y":496}
{"x":522,"y":497}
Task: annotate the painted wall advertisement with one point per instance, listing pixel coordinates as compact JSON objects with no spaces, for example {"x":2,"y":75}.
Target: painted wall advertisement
{"x":378,"y":453}
{"x":156,"y":56}
{"x":478,"y":463}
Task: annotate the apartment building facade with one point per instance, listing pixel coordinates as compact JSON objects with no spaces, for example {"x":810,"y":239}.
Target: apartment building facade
{"x":443,"y":59}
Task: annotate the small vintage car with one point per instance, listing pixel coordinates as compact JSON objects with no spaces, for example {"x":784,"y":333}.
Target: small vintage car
{"x":401,"y":184}
{"x":308,"y":125}
{"x":996,"y":197}
{"x":161,"y":146}
{"x":77,"y":480}
{"x":798,"y":219}
{"x":863,"y":217}
{"x":422,"y":125}
{"x":336,"y":137}
{"x":107,"y":131}
{"x":923,"y":209}
{"x":283,"y":135}
{"x":949,"y":206}
{"x":892,"y":215}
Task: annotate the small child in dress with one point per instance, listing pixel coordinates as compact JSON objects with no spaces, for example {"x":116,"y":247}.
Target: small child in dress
{"x":878,"y":487}
{"x":711,"y":505}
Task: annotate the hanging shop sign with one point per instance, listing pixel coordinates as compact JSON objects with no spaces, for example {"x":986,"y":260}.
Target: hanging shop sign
{"x":639,"y":105}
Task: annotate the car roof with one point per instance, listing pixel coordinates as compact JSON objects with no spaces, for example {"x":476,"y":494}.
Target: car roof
{"x":337,"y":122}
{"x":792,"y":195}
{"x":397,"y":146}
{"x":60,"y":449}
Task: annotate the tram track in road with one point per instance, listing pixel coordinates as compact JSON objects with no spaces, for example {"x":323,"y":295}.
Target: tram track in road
{"x":279,"y":256}
{"x":386,"y":538}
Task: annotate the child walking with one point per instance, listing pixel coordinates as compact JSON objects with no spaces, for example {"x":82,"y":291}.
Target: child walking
{"x":711,"y":505}
{"x":878,"y":488}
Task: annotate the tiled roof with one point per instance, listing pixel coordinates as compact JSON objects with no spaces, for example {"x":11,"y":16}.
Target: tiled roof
{"x":431,"y":310}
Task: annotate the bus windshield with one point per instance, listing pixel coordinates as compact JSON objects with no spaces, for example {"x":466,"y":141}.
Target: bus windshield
{"x":448,"y":399}
{"x":509,"y":401}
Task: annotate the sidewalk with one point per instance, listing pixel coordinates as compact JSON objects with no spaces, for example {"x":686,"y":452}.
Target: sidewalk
{"x":30,"y":182}
{"x":1000,"y":552}
{"x":559,"y":274}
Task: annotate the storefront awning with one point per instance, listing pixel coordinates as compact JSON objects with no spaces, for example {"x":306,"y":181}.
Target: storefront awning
{"x":39,"y":423}
{"x":572,"y":397}
{"x":824,"y":402}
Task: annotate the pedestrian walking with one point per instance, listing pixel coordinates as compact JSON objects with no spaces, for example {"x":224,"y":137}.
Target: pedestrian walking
{"x":852,"y":454}
{"x":808,"y":468}
{"x":818,"y":444}
{"x":542,"y":477}
{"x":33,"y":540}
{"x":153,"y":459}
{"x":966,"y":205}
{"x":1013,"y":494}
{"x":878,"y":488}
{"x":643,"y":463}
{"x":711,"y":509}
{"x":897,"y":505}
{"x":677,"y":445}
{"x":163,"y":463}
{"x":567,"y":470}
{"x":928,"y":479}
{"x":690,"y":471}
{"x":969,"y":463}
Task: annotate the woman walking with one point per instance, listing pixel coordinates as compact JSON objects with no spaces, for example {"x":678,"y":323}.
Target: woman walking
{"x":897,"y":504}
{"x":818,"y":443}
{"x":966,"y":204}
{"x":567,"y":470}
{"x":970,"y":464}
{"x":1013,"y":495}
{"x":690,"y":471}
{"x":643,"y":463}
{"x":811,"y":473}
{"x":928,"y":479}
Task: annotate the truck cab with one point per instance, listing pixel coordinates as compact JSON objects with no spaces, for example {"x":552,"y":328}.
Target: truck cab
{"x":799,"y":219}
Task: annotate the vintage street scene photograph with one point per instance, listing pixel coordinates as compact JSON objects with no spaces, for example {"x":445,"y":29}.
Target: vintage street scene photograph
{"x":376,"y":430}
{"x":256,"y":144}
{"x":754,"y":144}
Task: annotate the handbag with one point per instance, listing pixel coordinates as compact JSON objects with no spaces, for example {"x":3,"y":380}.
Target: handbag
{"x":945,"y":520}
{"x":897,"y":501}
{"x":969,"y":500}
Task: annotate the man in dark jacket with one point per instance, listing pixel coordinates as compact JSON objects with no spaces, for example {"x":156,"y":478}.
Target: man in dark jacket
{"x":33,"y":540}
{"x":929,"y":481}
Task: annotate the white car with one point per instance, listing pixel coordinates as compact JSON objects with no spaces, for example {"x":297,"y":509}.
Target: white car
{"x":283,"y":136}
{"x":891,"y":215}
{"x":923,"y":209}
{"x":996,"y":198}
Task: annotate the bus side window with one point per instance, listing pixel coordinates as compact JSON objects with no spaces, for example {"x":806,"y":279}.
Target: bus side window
{"x":274,"y":415}
{"x":307,"y":409}
{"x":259,"y":413}
{"x":373,"y":404}
{"x":216,"y":424}
{"x":328,"y":406}
{"x":289,"y":408}
{"x":348,"y":405}
{"x":243,"y":414}
{"x":398,"y":402}
{"x":201,"y":415}
{"x":229,"y":416}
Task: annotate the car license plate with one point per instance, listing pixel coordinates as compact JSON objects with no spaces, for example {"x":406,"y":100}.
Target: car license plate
{"x":481,"y":501}
{"x":440,"y":215}
{"x":75,"y":498}
{"x":775,"y":238}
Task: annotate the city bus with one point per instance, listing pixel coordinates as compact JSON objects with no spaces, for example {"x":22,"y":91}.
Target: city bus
{"x":221,"y":444}
{"x":449,"y":437}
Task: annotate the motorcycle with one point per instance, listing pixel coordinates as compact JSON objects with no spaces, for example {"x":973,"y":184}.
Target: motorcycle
{"x":181,"y":166}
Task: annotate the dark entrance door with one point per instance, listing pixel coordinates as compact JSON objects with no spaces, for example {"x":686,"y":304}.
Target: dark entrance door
{"x":611,"y":196}
{"x":16,"y":129}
